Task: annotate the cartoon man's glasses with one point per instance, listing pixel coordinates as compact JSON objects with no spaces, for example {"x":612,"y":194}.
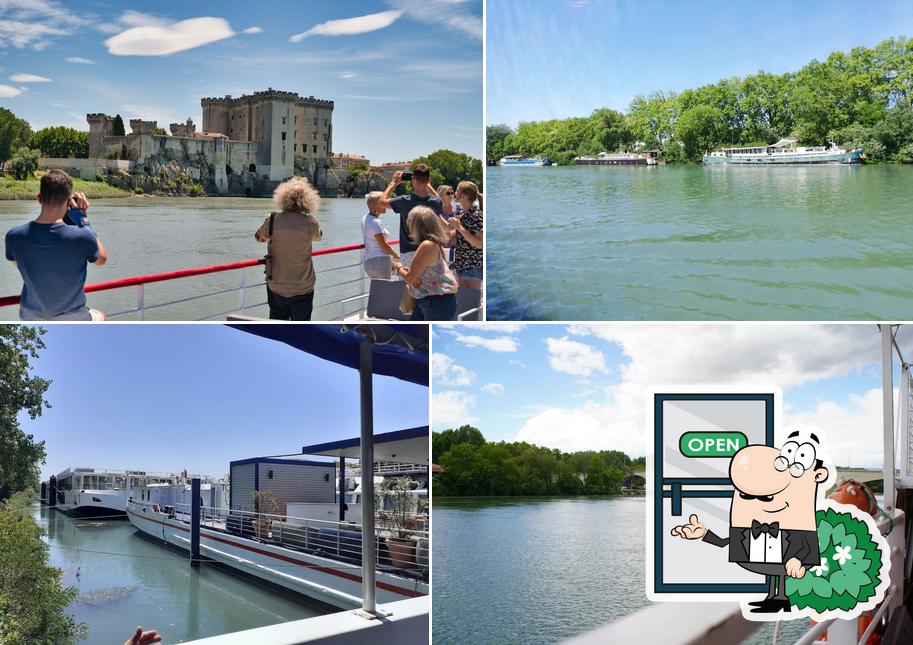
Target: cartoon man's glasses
{"x":796,"y":458}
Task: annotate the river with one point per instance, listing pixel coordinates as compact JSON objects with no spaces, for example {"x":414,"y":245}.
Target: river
{"x":125,"y":579}
{"x":540,"y":570}
{"x":160,"y":234}
{"x":687,"y":242}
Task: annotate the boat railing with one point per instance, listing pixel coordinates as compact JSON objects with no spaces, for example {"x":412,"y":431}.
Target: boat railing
{"x":236,"y":298}
{"x":390,"y":469}
{"x":677,"y":623}
{"x":401,"y":550}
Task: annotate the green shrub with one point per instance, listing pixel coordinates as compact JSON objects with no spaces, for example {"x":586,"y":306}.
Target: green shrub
{"x":845,"y":578}
{"x":24,"y":163}
{"x":138,"y":190}
{"x":197,"y":191}
{"x":99,"y":177}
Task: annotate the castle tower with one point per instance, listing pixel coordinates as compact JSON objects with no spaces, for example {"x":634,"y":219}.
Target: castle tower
{"x":100,"y":126}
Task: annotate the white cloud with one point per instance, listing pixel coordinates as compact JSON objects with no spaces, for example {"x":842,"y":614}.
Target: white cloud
{"x":570,"y":357}
{"x":29,"y":78}
{"x":350,"y":26}
{"x":848,"y":428}
{"x":445,"y":371}
{"x":516,"y":363}
{"x":452,"y":15}
{"x":79,"y":60}
{"x":452,"y":409}
{"x":784,"y":355}
{"x":7,"y":91}
{"x":33,"y":23}
{"x":153,"y":37}
{"x":253,"y":30}
{"x":348,"y":75}
{"x":493,"y":388}
{"x":497,"y":344}
{"x":592,"y":426}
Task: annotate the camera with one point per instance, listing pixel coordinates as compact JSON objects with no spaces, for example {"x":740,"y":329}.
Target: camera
{"x":407,"y":175}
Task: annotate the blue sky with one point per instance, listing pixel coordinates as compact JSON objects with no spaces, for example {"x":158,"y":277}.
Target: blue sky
{"x":406,"y":75}
{"x":583,"y":387}
{"x":169,"y":397}
{"x":560,"y":58}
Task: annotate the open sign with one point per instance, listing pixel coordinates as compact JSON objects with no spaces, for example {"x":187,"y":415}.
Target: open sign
{"x":711,"y":444}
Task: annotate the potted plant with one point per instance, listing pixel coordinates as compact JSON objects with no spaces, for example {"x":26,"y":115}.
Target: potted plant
{"x":397,"y":506}
{"x":265,"y":504}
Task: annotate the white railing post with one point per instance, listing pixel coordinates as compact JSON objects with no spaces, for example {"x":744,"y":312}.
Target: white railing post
{"x":141,"y":300}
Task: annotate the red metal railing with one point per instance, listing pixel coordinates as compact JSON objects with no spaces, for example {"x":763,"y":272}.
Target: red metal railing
{"x":140,"y":281}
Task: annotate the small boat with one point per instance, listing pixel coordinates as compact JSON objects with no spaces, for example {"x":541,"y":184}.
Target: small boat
{"x":785,"y":151}
{"x":520,"y":160}
{"x":619,"y":159}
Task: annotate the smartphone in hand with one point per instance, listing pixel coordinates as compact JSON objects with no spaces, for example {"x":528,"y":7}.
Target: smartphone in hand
{"x":75,"y":217}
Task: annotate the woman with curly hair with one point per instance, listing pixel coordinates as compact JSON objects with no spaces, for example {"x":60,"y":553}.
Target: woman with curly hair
{"x":289,"y":234}
{"x":467,"y":227}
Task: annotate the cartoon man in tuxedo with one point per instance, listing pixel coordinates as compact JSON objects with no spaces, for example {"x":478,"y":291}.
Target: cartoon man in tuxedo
{"x":772,"y":518}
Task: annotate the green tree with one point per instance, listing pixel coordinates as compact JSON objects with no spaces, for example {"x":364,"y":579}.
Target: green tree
{"x":610,"y":130}
{"x":449,"y":167}
{"x":496,"y":136}
{"x":357,"y":168}
{"x":117,"y":128}
{"x":20,"y":391}
{"x":61,"y":142}
{"x":701,"y":129}
{"x":32,"y":600}
{"x":24,"y":163}
{"x":441,"y":442}
{"x":14,"y":133}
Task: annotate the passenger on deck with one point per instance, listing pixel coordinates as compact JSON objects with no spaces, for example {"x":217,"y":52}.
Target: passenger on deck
{"x":467,"y":228}
{"x":429,"y":279}
{"x":51,"y":254}
{"x":421,"y":195}
{"x":379,"y":255}
{"x":289,"y":233}
{"x":450,"y":209}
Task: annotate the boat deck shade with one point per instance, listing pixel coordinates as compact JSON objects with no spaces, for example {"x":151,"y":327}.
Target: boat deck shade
{"x":408,"y":446}
{"x":400,"y":351}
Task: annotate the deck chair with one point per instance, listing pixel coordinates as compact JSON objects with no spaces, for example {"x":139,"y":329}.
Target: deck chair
{"x":383,"y":300}
{"x":469,"y":303}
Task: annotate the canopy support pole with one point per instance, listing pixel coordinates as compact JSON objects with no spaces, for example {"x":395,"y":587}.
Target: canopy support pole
{"x":195,"y":522}
{"x":887,"y":398}
{"x":342,"y":489}
{"x":368,"y":567}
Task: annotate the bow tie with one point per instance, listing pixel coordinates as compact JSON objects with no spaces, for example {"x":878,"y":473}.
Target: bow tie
{"x":771,"y":529}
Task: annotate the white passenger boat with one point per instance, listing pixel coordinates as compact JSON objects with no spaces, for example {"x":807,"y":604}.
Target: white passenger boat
{"x":99,"y":492}
{"x":316,"y":558}
{"x":785,"y":151}
{"x":521,"y":161}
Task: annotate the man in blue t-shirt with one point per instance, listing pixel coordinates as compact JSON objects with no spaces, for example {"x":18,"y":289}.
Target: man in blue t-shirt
{"x":51,"y":255}
{"x":422,"y":195}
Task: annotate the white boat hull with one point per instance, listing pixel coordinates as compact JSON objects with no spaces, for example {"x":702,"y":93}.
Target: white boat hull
{"x":96,"y":503}
{"x":323,"y":579}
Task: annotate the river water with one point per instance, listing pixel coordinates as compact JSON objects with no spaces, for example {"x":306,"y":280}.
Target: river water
{"x":158,"y":234}
{"x":691,"y":242}
{"x":540,"y":570}
{"x":125,"y":580}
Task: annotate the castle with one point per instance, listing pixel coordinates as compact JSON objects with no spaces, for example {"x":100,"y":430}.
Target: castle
{"x":259,"y":139}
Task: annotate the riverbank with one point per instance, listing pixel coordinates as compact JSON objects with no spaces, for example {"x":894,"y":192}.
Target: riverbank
{"x":25,"y":189}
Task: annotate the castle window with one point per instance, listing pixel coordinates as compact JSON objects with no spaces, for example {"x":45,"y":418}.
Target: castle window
{"x":283,"y":136}
{"x":315,"y":121}
{"x":296,"y":147}
{"x":315,"y":149}
{"x":283,"y":120}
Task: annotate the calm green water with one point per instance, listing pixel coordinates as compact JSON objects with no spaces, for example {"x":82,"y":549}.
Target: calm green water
{"x":155,"y":235}
{"x":694,"y":242}
{"x":531,"y":571}
{"x":149,"y":585}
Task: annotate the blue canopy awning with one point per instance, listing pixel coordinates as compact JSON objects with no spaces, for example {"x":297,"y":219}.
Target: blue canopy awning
{"x":409,"y":446}
{"x":400,"y":351}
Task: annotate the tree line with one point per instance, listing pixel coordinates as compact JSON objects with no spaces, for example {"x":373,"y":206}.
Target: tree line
{"x":32,"y":599}
{"x":863,"y":98}
{"x":473,"y":467}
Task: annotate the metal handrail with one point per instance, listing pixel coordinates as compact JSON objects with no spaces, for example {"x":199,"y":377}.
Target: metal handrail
{"x":320,"y":537}
{"x":140,"y":282}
